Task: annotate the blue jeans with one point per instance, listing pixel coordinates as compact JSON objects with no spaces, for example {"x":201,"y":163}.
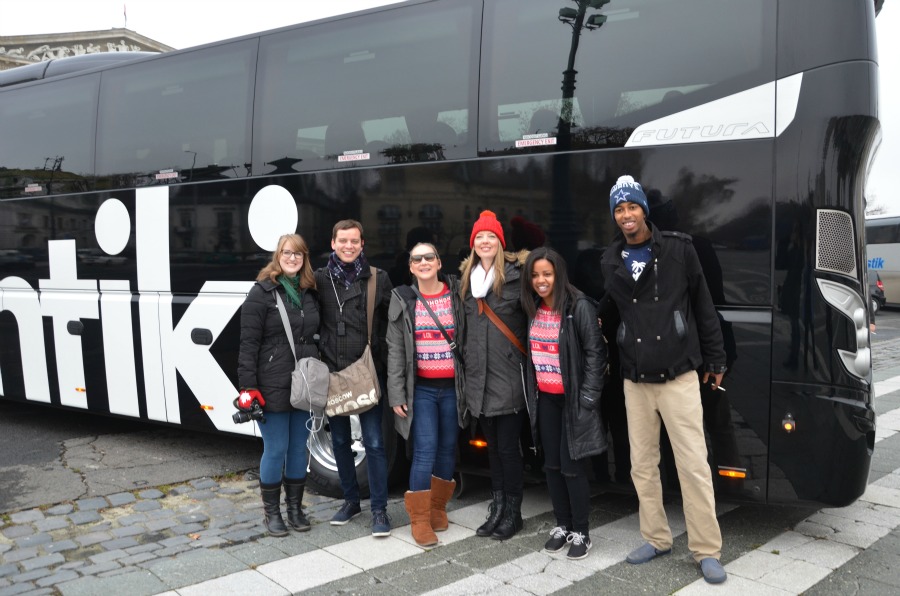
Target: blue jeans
{"x":373,"y":441}
{"x":284,"y":437}
{"x":433,"y":434}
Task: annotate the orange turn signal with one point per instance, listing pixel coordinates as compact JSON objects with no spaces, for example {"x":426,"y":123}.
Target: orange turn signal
{"x":206,"y":408}
{"x":732,"y":472}
{"x":80,"y":389}
{"x":481,"y":443}
{"x":788,"y":423}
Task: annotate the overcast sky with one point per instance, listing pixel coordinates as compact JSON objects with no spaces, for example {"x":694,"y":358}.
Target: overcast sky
{"x":186,"y":23}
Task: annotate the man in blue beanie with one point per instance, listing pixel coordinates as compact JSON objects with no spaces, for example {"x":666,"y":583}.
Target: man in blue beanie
{"x":669,"y":330}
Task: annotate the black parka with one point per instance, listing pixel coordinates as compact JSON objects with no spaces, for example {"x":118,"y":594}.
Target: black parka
{"x":265,"y":360}
{"x":340,"y":351}
{"x":494,"y":366}
{"x":583,"y":362}
{"x":669,"y":323}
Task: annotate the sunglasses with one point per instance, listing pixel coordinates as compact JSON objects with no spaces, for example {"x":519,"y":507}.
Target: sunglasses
{"x":429,"y":258}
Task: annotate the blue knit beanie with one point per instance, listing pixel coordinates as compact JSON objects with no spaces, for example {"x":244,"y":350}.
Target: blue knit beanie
{"x":627,"y":190}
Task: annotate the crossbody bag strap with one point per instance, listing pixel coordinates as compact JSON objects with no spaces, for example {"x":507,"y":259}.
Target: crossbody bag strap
{"x":483,"y":307}
{"x":454,"y":348}
{"x":370,"y":302}
{"x":284,"y":319}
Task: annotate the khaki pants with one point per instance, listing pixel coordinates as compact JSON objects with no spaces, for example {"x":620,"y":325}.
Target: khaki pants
{"x":677,"y":402}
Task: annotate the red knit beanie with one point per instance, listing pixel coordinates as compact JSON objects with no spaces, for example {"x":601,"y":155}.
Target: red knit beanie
{"x":487,"y":222}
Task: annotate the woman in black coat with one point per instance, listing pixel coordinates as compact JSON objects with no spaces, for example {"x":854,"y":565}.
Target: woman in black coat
{"x":265,"y":365}
{"x":567,"y":362}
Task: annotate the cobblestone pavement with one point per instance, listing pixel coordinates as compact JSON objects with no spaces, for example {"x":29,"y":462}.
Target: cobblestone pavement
{"x":101,"y":537}
{"x":174,"y":537}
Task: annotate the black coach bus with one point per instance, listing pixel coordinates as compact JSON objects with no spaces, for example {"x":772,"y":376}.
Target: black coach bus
{"x":138,"y":200}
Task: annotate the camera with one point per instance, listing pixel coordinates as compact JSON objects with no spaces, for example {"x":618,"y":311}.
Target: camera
{"x":254,"y":413}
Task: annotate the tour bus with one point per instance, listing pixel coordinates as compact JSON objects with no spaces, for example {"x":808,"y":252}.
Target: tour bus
{"x":751,"y":125}
{"x":883,"y":253}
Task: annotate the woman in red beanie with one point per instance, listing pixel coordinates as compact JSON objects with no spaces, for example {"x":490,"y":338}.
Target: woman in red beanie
{"x":494,"y":354}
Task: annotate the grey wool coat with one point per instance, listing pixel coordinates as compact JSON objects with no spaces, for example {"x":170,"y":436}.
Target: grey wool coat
{"x":401,"y":362}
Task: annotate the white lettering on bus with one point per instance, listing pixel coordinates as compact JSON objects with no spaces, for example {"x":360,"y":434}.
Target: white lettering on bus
{"x":648,"y":136}
{"x":167,"y":349}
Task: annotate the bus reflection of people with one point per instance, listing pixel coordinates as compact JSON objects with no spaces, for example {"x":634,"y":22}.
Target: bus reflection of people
{"x":724,"y":451}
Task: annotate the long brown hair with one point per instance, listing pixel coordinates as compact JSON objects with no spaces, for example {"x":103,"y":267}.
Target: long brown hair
{"x":272,"y":270}
{"x":499,"y":267}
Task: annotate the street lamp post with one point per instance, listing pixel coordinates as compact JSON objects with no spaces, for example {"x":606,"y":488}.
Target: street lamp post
{"x":562,"y":215}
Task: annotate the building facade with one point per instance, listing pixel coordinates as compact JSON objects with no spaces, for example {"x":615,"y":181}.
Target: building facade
{"x":19,"y":50}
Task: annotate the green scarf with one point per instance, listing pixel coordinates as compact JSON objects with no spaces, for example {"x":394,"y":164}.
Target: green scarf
{"x":291,"y":287}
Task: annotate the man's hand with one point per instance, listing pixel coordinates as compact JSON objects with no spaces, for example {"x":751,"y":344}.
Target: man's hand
{"x":715,"y":379}
{"x":400,"y":410}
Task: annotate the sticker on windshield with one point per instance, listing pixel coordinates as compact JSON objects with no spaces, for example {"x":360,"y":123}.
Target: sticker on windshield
{"x":535,"y":140}
{"x":355,"y":155}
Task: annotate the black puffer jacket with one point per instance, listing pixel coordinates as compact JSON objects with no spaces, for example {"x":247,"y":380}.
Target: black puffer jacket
{"x":265,"y":361}
{"x":582,"y":360}
{"x":669,"y":324}
{"x":494,"y":366}
{"x":340,"y":351}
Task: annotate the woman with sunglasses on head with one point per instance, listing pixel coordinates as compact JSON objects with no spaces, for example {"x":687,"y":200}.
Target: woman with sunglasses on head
{"x":424,"y":383}
{"x":493,"y":348}
{"x":567,"y":363}
{"x":265,"y":365}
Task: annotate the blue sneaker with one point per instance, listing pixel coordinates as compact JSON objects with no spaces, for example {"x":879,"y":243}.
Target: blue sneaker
{"x":645,"y":552}
{"x":348,"y":511}
{"x":712,"y":570}
{"x":381,"y":523}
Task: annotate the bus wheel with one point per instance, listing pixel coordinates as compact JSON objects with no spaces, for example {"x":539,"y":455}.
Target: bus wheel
{"x":323,"y":475}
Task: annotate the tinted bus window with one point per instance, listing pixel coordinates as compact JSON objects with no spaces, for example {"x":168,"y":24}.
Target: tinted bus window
{"x":392,"y":87}
{"x":883,"y":232}
{"x":53,"y":128}
{"x":180,"y":118}
{"x":645,"y":60}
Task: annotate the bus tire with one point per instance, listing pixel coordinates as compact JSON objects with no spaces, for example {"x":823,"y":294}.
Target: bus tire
{"x":323,"y":478}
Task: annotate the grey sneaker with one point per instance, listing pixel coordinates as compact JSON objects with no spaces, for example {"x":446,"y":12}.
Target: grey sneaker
{"x":712,"y":570}
{"x":580,"y":545}
{"x":557,"y":540}
{"x":645,"y":552}
{"x":348,"y":511}
{"x":381,"y":523}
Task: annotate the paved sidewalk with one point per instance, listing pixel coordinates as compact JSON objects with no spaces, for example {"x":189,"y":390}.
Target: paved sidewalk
{"x":207,"y":535}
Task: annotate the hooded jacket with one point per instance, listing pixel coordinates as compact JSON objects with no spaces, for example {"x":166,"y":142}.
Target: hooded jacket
{"x":583,"y":362}
{"x":494,"y":366}
{"x":265,"y":360}
{"x":669,"y":324}
{"x":401,"y":344}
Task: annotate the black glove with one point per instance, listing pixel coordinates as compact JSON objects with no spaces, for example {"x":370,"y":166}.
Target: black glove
{"x":588,"y":403}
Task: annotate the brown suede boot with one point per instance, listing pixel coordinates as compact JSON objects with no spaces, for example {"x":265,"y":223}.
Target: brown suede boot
{"x":418,"y":506}
{"x":441,"y":491}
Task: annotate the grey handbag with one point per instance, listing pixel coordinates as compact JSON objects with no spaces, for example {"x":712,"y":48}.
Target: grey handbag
{"x":309,"y":381}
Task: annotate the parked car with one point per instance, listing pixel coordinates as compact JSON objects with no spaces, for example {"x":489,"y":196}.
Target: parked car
{"x":876,"y":292}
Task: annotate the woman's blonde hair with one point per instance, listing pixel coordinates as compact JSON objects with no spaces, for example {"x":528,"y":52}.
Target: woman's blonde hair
{"x":499,"y":266}
{"x":272,"y":270}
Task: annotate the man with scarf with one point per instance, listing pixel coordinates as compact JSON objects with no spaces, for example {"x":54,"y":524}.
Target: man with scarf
{"x":344,"y":331}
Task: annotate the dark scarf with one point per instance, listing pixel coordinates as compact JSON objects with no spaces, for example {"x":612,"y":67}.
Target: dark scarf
{"x":292,"y":289}
{"x":347,"y":272}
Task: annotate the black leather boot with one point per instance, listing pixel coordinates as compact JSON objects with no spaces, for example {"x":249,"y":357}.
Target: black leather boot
{"x":512,"y":522}
{"x":271,"y":498}
{"x":495,"y":514}
{"x":293,"y":499}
